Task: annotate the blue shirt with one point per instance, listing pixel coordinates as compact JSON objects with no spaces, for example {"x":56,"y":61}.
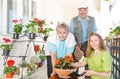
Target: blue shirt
{"x":61,"y":50}
{"x":84,"y":26}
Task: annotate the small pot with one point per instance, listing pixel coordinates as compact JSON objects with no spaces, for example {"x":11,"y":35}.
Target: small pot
{"x":45,"y":38}
{"x":32,"y":35}
{"x":15,"y":36}
{"x":9,"y":75}
{"x":36,"y":48}
{"x":6,"y":52}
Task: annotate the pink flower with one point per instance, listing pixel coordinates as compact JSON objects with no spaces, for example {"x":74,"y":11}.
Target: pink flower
{"x":36,"y":19}
{"x":6,"y":40}
{"x":14,"y":21}
{"x":110,"y":28}
{"x":20,"y":20}
{"x":51,"y":22}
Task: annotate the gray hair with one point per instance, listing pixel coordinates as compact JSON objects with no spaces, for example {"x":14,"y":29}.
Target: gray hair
{"x":62,"y":26}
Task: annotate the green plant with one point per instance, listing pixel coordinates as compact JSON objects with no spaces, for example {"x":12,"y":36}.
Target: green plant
{"x":46,"y":31}
{"x":42,"y":55}
{"x":6,"y":45}
{"x":17,"y":26}
{"x":24,"y":64}
{"x":31,"y":26}
{"x":114,"y":31}
{"x":10,"y":67}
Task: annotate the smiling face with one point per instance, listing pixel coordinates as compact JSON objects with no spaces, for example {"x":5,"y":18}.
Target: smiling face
{"x":94,"y":42}
{"x":62,"y":31}
{"x":62,"y":34}
{"x":83,"y":12}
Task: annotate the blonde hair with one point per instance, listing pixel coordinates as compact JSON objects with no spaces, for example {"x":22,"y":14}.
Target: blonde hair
{"x":102,"y":46}
{"x":62,"y":26}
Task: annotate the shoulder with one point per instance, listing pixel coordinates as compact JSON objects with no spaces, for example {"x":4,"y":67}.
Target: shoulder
{"x":70,"y":35}
{"x":75,"y":17}
{"x":105,"y":54}
{"x":90,"y":16}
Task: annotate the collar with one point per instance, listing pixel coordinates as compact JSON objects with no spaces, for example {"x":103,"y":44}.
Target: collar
{"x":79,"y":19}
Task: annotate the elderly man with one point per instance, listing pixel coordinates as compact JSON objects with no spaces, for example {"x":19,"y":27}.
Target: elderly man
{"x":82,"y":26}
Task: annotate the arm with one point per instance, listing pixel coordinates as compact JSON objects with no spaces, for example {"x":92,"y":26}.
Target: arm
{"x":52,"y":50}
{"x":71,"y":28}
{"x":53,"y":57}
{"x":100,"y":74}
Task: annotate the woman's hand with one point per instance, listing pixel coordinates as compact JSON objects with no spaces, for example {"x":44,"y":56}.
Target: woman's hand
{"x":89,"y":72}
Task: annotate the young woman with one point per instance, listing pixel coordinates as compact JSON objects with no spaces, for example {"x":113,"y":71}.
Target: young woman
{"x":98,"y":58}
{"x":60,"y":44}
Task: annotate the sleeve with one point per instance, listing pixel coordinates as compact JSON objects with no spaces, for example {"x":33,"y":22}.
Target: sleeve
{"x":107,"y":61}
{"x":71,"y":29}
{"x":51,"y":47}
{"x":85,"y":59}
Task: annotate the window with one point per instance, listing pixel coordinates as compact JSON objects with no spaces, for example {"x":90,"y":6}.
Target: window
{"x":26,"y":11}
{"x":0,"y":16}
{"x":33,"y":9}
{"x":12,"y":13}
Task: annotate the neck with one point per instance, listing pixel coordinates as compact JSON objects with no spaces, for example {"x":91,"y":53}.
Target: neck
{"x":96,"y":51}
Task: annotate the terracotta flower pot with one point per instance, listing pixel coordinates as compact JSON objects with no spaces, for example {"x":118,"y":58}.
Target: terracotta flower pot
{"x":9,"y":75}
{"x":36,"y":48}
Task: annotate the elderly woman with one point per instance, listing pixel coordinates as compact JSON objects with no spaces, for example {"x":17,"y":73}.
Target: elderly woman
{"x":60,"y":44}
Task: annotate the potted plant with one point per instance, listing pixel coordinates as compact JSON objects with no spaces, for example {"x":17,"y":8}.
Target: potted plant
{"x":63,"y":68}
{"x":31,"y":28}
{"x":115,"y":32}
{"x":40,"y":24}
{"x":10,"y":69}
{"x":23,"y":68}
{"x":46,"y":33}
{"x":17,"y":28}
{"x":6,"y":47}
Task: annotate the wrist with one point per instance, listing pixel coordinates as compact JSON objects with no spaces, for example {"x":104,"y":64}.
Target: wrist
{"x":93,"y":73}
